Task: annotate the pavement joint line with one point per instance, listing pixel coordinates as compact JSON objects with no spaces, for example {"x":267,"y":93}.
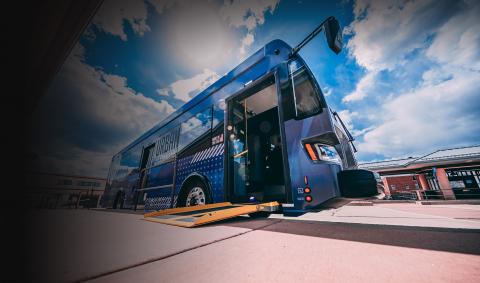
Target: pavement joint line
{"x":148,"y":261}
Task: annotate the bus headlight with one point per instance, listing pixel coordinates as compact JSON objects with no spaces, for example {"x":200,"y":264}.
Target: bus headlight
{"x":327,"y":153}
{"x":323,"y":152}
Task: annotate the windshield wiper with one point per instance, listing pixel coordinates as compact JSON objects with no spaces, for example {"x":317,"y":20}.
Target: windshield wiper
{"x":349,"y":135}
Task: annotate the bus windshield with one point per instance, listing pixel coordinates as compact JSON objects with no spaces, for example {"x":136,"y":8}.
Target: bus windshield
{"x":305,"y":96}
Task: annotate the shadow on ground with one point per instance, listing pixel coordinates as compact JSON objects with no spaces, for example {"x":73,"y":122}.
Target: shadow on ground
{"x":465,"y":241}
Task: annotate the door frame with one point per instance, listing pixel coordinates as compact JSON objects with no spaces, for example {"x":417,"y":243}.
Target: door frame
{"x":247,"y":91}
{"x":142,"y":172}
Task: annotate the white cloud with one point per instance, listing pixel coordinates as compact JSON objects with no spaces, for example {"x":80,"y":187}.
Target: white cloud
{"x":198,"y":36}
{"x":87,"y":116}
{"x":200,"y":31}
{"x":458,"y":40}
{"x":248,"y":14}
{"x":112,"y":14}
{"x":347,"y":117}
{"x":363,"y":88}
{"x":161,"y":5}
{"x":385,"y":33}
{"x":185,"y":89}
{"x":436,"y":109}
{"x":246,"y":41}
{"x":433,"y":116}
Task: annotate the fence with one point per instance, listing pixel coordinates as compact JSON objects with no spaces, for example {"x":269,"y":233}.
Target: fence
{"x":58,"y":198}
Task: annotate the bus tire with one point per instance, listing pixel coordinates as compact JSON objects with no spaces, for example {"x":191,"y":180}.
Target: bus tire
{"x":196,"y":192}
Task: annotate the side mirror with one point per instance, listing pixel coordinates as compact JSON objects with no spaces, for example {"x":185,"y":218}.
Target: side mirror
{"x":333,"y":33}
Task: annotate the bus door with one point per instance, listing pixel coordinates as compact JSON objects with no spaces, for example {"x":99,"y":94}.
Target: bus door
{"x":144,"y":161}
{"x":255,"y":168}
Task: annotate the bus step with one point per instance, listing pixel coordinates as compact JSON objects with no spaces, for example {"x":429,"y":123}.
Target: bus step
{"x":194,"y":216}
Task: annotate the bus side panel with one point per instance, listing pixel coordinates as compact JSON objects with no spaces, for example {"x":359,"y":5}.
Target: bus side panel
{"x":160,"y":198}
{"x":208,"y":163}
{"x":161,"y":175}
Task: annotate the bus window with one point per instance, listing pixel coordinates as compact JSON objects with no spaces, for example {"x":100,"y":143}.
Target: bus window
{"x":130,"y":161}
{"x":218,"y":113}
{"x":194,"y":127}
{"x":305,"y":95}
{"x":165,"y":146}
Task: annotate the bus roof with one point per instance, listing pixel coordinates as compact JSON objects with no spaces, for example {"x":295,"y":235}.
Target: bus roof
{"x":263,"y":52}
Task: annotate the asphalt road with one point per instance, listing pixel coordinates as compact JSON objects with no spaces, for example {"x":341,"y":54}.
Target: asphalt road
{"x":393,"y":242}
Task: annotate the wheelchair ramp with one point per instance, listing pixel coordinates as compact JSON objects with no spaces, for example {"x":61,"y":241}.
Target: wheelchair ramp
{"x":203,"y":214}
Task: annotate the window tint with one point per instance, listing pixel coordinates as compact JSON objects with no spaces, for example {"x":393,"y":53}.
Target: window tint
{"x":218,"y":113}
{"x":195,"y":127}
{"x":305,"y":94}
{"x":165,"y":146}
{"x":126,"y":163}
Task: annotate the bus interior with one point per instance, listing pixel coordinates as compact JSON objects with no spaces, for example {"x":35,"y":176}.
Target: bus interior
{"x":255,"y":154}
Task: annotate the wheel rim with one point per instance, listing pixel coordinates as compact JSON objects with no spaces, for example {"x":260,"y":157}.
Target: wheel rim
{"x":196,"y":196}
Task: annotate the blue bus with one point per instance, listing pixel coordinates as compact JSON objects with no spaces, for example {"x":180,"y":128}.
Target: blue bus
{"x":263,"y":132}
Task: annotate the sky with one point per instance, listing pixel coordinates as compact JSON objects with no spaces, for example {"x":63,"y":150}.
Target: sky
{"x":406,"y":82}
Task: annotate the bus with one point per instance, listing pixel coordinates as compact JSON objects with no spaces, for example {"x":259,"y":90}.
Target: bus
{"x":263,"y":132}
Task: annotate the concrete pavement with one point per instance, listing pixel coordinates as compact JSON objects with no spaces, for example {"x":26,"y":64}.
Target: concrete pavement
{"x":374,"y":244}
{"x":406,"y":214}
{"x":72,"y":245}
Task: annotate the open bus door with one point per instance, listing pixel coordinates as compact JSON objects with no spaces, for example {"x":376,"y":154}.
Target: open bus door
{"x":254,"y":147}
{"x":144,"y":161}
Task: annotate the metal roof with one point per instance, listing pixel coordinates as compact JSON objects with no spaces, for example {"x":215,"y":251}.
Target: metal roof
{"x":450,"y":154}
{"x":387,"y":163}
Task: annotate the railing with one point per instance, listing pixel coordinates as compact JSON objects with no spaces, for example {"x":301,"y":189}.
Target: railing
{"x":402,"y":195}
{"x":432,"y":195}
{"x":62,"y":198}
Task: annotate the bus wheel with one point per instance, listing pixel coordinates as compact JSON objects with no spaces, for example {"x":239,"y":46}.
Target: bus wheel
{"x":196,"y":194}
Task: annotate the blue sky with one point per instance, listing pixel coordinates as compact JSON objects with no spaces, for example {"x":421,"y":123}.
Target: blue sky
{"x":406,"y":83}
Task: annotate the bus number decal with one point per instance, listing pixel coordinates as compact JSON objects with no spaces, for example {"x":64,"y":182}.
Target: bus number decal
{"x":166,"y":145}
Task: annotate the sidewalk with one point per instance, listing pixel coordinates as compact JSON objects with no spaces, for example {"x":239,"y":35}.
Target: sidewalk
{"x":77,"y":245}
{"x":405,"y":214}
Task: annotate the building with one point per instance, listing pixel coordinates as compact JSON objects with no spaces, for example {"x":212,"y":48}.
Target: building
{"x":47,"y":190}
{"x":444,"y":174}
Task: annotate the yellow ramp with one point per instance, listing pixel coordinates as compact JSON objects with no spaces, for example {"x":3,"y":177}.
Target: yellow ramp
{"x":202,"y":214}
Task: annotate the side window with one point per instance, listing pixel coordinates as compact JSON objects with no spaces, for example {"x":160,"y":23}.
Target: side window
{"x":305,"y":94}
{"x":218,"y":113}
{"x":165,"y":146}
{"x":194,"y":127}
